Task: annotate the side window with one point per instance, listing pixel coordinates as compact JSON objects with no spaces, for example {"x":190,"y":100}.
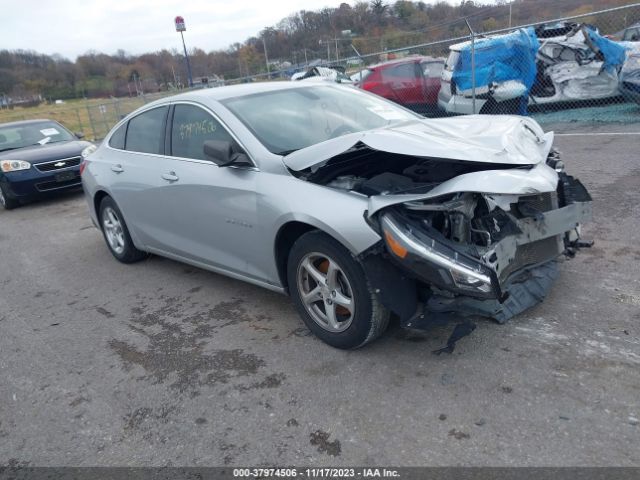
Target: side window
{"x":191,"y":127}
{"x":432,"y":69}
{"x":117,"y":139}
{"x":146,"y":131}
{"x":404,"y":71}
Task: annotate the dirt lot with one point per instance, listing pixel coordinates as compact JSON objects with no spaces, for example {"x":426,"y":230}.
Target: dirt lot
{"x":160,"y":363}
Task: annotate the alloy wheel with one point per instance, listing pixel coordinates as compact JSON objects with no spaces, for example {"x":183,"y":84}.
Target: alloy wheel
{"x":113,"y":230}
{"x":326,"y":292}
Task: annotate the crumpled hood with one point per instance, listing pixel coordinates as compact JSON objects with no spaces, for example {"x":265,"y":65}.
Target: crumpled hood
{"x":498,"y":139}
{"x":511,"y":182}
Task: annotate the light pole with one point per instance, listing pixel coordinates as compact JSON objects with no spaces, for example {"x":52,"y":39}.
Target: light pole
{"x":180,"y":27}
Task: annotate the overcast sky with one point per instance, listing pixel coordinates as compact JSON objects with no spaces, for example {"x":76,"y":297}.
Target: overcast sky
{"x":71,"y":27}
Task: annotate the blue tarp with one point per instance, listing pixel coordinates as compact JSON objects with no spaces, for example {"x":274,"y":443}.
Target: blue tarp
{"x":614,"y":53}
{"x":499,"y":59}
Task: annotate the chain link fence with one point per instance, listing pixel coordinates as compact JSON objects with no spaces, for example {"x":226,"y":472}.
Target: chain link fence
{"x":93,"y":119}
{"x":565,"y":69}
{"x":585,"y":67}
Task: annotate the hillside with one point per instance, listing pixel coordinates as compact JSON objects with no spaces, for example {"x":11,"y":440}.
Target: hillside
{"x":374,"y":26}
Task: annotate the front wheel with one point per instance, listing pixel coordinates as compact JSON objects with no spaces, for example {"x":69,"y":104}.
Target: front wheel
{"x":116,"y":233}
{"x":331,"y":293}
{"x":7,"y":202}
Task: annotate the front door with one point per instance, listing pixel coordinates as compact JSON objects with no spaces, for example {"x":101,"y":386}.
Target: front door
{"x":210,"y":212}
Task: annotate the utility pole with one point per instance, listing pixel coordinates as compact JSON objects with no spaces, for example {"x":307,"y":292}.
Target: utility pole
{"x":328,"y":43}
{"x":266,"y":57}
{"x":180,"y":27}
{"x":473,"y":64}
{"x":510,"y":9}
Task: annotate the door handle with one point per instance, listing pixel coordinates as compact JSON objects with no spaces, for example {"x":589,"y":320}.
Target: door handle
{"x":117,"y":168}
{"x":170,"y":177}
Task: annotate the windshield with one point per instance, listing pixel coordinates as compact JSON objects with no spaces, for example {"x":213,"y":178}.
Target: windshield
{"x":29,"y":134}
{"x":452,"y":60}
{"x":361,"y":75}
{"x":288,"y":120}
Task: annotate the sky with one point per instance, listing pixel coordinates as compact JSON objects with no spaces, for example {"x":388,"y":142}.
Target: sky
{"x":71,"y":28}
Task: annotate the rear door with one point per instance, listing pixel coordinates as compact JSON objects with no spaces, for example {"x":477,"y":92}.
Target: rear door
{"x":133,"y":171}
{"x":404,"y":82}
{"x":431,"y":73}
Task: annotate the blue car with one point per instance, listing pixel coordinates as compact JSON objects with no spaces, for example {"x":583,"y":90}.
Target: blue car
{"x":37,"y":157}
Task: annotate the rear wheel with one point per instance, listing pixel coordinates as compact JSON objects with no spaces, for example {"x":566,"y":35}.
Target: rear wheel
{"x":7,"y":202}
{"x":332,"y":294}
{"x":116,"y":233}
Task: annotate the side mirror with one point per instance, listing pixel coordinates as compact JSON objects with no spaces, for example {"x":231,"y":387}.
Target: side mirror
{"x":224,"y":153}
{"x":79,"y":135}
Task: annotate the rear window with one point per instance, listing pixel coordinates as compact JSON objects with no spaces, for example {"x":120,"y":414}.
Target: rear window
{"x":432,"y":69}
{"x":117,"y":139}
{"x":454,"y":56}
{"x":146,"y":131}
{"x":404,"y":71}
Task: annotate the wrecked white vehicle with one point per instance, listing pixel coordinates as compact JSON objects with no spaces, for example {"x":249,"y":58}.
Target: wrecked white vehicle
{"x":334,"y":74}
{"x":354,"y":206}
{"x":579,"y":65}
{"x":630,"y":78}
{"x":553,"y":64}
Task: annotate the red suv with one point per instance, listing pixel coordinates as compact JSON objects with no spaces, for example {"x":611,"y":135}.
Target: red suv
{"x":413,"y":82}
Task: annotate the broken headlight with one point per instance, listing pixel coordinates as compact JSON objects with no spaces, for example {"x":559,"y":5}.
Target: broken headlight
{"x":435,"y":262}
{"x":553,"y":160}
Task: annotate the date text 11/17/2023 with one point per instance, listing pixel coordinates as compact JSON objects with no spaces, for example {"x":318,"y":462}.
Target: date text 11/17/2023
{"x":318,"y":472}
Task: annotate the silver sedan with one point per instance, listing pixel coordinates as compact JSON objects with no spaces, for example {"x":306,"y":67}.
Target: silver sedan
{"x":354,"y":206}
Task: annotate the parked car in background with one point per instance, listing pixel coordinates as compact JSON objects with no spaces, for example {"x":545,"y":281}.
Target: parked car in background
{"x":553,"y":64}
{"x":37,"y":157}
{"x":335,"y":74}
{"x":504,"y":73}
{"x":630,"y":78}
{"x":413,"y":82}
{"x":580,"y":65}
{"x":354,"y":206}
{"x":631,"y":34}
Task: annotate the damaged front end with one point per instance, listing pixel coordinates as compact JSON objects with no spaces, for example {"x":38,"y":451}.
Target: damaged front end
{"x":475,"y":230}
{"x":485,"y":254}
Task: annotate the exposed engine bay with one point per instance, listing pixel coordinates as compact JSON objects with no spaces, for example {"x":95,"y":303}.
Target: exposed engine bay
{"x":372,"y":172}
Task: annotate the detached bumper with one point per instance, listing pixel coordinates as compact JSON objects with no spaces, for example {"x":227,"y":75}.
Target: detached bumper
{"x":524,"y":290}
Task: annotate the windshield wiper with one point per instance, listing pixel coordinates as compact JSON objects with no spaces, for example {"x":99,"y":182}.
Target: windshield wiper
{"x":287,"y":152}
{"x":10,"y":148}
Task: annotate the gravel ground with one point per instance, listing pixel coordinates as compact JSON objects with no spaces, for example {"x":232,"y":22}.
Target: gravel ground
{"x":160,"y":363}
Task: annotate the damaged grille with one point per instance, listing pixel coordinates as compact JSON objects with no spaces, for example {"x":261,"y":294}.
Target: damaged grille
{"x":543,"y":202}
{"x":534,"y":253}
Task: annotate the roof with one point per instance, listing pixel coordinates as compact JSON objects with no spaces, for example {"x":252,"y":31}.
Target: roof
{"x":410,"y":59}
{"x":222,"y":93}
{"x":21,"y":123}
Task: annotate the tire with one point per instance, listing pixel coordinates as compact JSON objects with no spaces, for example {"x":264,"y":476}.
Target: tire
{"x":116,"y":234}
{"x":316,"y":254}
{"x":6,"y":201}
